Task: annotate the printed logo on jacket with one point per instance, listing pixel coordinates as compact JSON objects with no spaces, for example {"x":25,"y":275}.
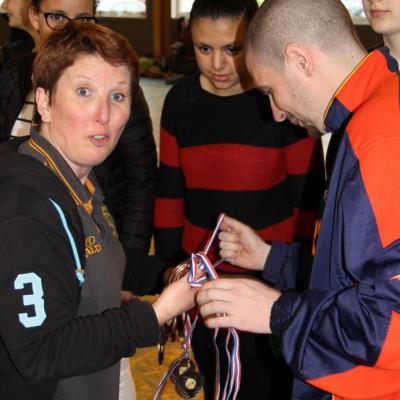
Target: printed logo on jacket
{"x":91,"y":246}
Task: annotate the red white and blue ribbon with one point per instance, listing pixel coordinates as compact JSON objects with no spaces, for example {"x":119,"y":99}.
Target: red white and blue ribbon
{"x":201,"y":269}
{"x":184,"y":356}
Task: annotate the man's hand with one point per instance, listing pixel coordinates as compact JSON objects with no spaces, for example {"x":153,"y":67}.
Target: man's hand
{"x":243,"y":304}
{"x":241,"y":246}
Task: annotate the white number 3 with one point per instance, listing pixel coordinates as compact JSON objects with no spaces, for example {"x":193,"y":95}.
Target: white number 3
{"x":35,"y":299}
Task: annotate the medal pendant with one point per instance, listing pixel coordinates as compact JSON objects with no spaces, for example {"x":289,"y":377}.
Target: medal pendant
{"x":189,"y":384}
{"x":185,"y":365}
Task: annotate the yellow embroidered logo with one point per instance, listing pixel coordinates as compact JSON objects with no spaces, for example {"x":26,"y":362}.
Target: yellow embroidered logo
{"x":109,"y":220}
{"x":91,"y":247}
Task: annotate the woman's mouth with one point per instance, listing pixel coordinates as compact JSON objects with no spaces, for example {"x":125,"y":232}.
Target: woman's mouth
{"x":378,"y":13}
{"x":220,"y":78}
{"x":99,"y":140}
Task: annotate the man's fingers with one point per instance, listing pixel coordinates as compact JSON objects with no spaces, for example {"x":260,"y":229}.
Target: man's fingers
{"x":215,"y":307}
{"x":207,"y":294}
{"x":228,"y":241}
{"x":221,"y":321}
{"x":230,"y":223}
{"x":229,"y":249}
{"x":229,"y":237}
{"x":229,"y":255}
{"x":223,"y":284}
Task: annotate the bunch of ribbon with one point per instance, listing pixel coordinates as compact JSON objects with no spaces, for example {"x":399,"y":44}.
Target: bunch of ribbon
{"x":182,"y":371}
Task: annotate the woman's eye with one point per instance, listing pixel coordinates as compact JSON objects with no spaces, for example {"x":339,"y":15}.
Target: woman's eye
{"x":58,"y":17}
{"x":204,"y":49}
{"x":83,"y":92}
{"x":233,"y":50}
{"x":118,"y":97}
{"x":85,"y":19}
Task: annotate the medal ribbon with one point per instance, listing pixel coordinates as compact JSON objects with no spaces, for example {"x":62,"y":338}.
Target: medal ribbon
{"x":201,"y":268}
{"x":184,"y":356}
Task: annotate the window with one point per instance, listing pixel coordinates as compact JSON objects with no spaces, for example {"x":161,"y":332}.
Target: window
{"x":355,"y":8}
{"x":122,"y":8}
{"x":180,"y":8}
{"x":356,"y":11}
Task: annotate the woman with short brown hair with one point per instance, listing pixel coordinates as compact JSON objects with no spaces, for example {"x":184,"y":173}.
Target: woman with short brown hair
{"x":62,"y":327}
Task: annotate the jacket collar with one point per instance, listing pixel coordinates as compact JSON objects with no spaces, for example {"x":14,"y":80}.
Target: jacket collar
{"x":374,"y":69}
{"x":38,"y":147}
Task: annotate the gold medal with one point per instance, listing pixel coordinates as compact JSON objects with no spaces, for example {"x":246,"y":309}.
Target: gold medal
{"x":185,"y":365}
{"x":189,"y":384}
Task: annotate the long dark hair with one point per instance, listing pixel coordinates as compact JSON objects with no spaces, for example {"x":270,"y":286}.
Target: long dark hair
{"x":216,"y":9}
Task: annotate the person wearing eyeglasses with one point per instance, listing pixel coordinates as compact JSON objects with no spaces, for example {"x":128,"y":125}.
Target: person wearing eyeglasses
{"x":127,"y":176}
{"x":48,"y":16}
{"x":56,"y":21}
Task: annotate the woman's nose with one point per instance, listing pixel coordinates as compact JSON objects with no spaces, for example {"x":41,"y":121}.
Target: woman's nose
{"x":103,"y":111}
{"x":217,"y":60}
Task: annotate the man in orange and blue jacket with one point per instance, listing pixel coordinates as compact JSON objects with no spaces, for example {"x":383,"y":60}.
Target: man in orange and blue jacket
{"x":341,"y":336}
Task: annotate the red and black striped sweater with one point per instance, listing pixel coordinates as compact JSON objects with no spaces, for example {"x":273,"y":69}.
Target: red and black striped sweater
{"x":226,"y":154}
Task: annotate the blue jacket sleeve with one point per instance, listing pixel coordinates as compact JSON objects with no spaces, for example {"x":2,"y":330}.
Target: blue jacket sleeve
{"x":288,"y":266}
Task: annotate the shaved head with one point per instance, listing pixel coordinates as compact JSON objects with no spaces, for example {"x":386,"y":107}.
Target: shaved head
{"x":325,"y":24}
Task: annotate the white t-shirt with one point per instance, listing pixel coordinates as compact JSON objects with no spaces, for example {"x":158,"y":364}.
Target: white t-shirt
{"x":23,"y":123}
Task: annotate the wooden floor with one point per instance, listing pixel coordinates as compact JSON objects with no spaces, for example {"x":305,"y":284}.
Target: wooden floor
{"x":147,"y":373}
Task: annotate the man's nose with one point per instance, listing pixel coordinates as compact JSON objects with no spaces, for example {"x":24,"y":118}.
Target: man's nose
{"x":279,"y":115}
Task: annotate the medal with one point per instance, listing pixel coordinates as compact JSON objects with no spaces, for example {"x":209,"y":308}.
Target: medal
{"x":189,"y":384}
{"x":184,"y":366}
{"x":188,"y":381}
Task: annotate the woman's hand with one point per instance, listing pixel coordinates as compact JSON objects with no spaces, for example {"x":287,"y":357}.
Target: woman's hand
{"x":174,"y":300}
{"x":240,"y":245}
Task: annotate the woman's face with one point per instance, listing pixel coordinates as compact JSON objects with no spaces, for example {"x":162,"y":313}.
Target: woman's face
{"x":69,"y":8}
{"x":17,"y":13}
{"x":219,"y":49}
{"x":89,"y":108}
{"x":383,"y":15}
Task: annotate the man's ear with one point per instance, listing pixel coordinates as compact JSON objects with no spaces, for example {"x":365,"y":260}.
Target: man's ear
{"x":33,"y":16}
{"x":42,"y":100}
{"x":300,"y":57}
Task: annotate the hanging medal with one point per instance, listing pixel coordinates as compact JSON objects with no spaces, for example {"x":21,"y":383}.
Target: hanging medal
{"x":188,"y":381}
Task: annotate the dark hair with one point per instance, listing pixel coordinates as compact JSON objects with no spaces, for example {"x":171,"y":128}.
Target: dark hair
{"x":63,"y":47}
{"x":216,"y":9}
{"x":36,"y":5}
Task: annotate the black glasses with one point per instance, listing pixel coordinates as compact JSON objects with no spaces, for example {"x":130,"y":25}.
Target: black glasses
{"x":57,"y":21}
